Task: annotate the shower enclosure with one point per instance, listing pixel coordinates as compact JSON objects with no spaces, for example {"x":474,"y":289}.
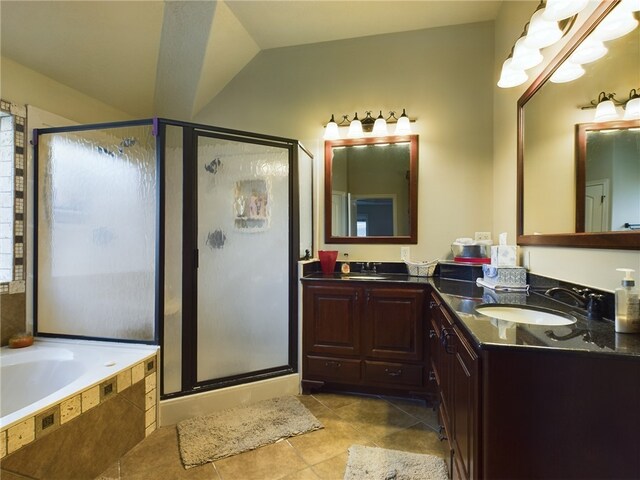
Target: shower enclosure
{"x":174,"y":233}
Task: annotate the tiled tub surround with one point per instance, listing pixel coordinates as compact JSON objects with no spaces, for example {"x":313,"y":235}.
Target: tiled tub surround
{"x":104,"y":403}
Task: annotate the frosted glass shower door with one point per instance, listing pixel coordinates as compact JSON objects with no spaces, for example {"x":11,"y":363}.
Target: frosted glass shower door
{"x":96,"y":233}
{"x":244,"y":249}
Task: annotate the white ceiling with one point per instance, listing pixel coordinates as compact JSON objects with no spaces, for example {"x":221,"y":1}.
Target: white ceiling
{"x":171,"y":58}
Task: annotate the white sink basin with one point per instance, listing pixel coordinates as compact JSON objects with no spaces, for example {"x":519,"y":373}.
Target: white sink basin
{"x":526,"y":314}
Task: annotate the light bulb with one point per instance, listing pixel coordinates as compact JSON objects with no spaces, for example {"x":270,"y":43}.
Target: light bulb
{"x":542,"y":33}
{"x":380,"y":126}
{"x":511,"y":77}
{"x":567,"y":72}
{"x":355,"y":128}
{"x":331,"y":130}
{"x":403,"y":127}
{"x":630,"y":5}
{"x":556,"y":10}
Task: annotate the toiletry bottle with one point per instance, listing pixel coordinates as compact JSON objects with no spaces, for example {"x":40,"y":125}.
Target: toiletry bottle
{"x":627,"y":304}
{"x":345,"y":267}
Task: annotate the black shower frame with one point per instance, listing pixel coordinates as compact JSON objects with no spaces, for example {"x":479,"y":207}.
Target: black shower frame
{"x":190,"y":133}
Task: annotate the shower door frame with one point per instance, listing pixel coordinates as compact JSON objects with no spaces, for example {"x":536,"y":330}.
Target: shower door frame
{"x":159,"y":217}
{"x":189,"y":381}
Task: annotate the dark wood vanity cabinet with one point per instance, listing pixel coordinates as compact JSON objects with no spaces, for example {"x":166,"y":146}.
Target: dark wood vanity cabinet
{"x":359,"y":335}
{"x":455,"y":369}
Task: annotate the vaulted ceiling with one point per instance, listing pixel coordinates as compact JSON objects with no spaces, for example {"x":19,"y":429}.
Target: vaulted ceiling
{"x":171,"y":58}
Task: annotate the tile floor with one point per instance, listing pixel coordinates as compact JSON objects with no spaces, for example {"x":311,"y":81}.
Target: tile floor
{"x":399,"y":424}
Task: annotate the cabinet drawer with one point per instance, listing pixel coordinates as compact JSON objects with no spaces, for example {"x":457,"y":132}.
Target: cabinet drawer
{"x":383,"y":373}
{"x":333,"y":369}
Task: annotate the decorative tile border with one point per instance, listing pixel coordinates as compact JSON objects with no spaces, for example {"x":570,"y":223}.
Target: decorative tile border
{"x":20,"y":115}
{"x":32,"y":428}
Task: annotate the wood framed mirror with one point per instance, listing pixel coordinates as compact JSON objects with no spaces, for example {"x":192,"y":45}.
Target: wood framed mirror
{"x":371,"y":190}
{"x":552,"y":169}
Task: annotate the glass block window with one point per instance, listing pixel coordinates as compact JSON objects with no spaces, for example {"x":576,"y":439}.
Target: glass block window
{"x":12,"y":172}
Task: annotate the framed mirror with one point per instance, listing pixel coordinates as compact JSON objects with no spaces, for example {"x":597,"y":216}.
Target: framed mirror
{"x":565,"y":160}
{"x":371,"y":190}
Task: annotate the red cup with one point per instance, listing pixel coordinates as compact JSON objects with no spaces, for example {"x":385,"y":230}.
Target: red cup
{"x":328,"y":260}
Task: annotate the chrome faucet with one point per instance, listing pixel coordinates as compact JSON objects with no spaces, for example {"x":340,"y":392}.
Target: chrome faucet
{"x":369,"y":267}
{"x":585,"y":298}
{"x":580,"y":296}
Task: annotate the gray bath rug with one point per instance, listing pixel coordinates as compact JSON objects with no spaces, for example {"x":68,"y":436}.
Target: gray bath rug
{"x":237,"y":430}
{"x":372,"y":463}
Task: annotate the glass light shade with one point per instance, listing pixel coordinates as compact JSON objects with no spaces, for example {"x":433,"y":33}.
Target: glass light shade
{"x":355,"y":128}
{"x":380,"y":127}
{"x":605,"y":111}
{"x":589,"y":51}
{"x":630,"y":5}
{"x":632,"y":109}
{"x":541,"y":32}
{"x":511,"y":77}
{"x":331,"y":130}
{"x":556,"y":10}
{"x":525,"y":57}
{"x":615,"y":25}
{"x":403,"y":127}
{"x":567,"y":72}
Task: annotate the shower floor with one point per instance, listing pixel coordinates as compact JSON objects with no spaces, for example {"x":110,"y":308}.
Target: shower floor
{"x":386,"y":422}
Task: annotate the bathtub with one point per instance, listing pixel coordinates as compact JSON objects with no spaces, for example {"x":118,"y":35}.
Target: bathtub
{"x":37,"y":377}
{"x":57,"y":391}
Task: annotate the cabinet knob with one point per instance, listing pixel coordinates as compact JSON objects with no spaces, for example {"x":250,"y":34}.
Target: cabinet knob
{"x":393,"y":373}
{"x":432,"y":304}
{"x":432,"y":376}
{"x":444,"y":340}
{"x":432,"y":333}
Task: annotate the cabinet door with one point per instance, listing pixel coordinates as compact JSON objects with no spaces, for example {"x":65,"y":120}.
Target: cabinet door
{"x":465,"y":405}
{"x":331,"y":319}
{"x":445,"y":364}
{"x":393,"y":324}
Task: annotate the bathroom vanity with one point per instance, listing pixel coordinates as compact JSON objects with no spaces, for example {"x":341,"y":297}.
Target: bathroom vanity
{"x":515,"y":400}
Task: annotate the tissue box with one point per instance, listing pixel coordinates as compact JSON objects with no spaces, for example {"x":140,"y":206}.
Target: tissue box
{"x":504,"y":276}
{"x":503,"y":256}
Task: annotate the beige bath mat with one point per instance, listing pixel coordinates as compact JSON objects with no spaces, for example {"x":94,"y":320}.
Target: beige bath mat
{"x":237,"y":430}
{"x":369,"y":463}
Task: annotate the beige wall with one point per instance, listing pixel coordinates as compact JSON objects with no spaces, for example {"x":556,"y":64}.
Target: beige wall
{"x":442,"y":76}
{"x":24,"y":86}
{"x":591,"y":267}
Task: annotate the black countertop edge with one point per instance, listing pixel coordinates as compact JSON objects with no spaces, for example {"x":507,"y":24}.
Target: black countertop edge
{"x":585,"y":337}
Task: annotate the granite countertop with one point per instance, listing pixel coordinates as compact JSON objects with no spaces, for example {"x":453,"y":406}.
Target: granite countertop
{"x":585,"y":336}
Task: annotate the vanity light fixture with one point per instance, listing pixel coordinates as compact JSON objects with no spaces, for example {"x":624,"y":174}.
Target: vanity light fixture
{"x":606,"y":105}
{"x":549,"y":23}
{"x":376,"y":126}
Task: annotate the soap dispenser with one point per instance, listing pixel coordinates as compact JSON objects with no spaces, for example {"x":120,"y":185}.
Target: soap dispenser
{"x":627,"y":304}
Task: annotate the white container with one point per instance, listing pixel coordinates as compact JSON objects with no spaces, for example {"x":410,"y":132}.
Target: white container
{"x":627,"y":304}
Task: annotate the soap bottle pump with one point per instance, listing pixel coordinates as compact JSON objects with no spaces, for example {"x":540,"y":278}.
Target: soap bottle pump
{"x":627,"y":304}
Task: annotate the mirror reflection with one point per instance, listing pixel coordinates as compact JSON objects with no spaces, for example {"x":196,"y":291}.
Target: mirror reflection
{"x":609,"y":161}
{"x":566,"y":188}
{"x":370,"y":189}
